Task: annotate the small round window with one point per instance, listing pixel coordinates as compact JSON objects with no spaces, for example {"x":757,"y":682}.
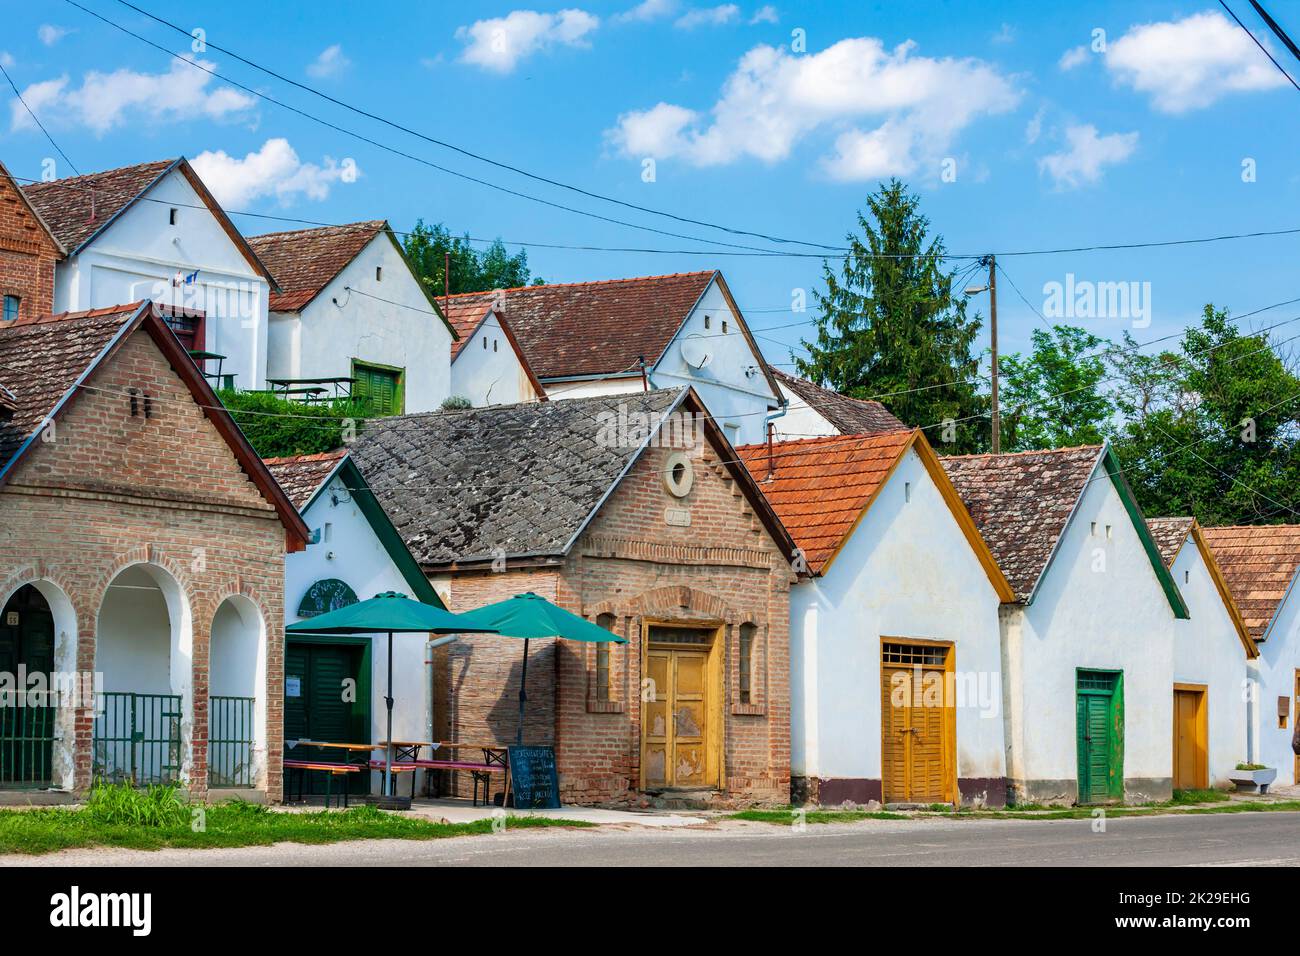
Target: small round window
{"x":679,"y":475}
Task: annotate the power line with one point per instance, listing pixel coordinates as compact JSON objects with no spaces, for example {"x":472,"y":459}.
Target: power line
{"x":1255,"y":39}
{"x":36,"y":120}
{"x":478,"y":156}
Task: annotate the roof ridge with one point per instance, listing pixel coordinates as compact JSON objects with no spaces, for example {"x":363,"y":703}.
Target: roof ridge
{"x":1027,"y":451}
{"x":52,"y":317}
{"x":564,"y":285}
{"x":314,"y":456}
{"x":64,"y":180}
{"x":829,"y":439}
{"x":359,"y":225}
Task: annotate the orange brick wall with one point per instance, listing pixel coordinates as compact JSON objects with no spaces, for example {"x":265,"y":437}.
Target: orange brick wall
{"x":723,"y":569}
{"x":109,"y":490}
{"x":27,"y":255}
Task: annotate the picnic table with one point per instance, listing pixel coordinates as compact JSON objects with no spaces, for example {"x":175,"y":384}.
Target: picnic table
{"x":333,"y":768}
{"x":406,"y":758}
{"x":340,"y":384}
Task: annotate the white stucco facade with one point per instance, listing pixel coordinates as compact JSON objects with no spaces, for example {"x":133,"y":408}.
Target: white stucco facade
{"x":349,"y":550}
{"x":800,"y":420}
{"x":1208,"y":652}
{"x":380,"y":317}
{"x":1099,"y":606}
{"x":1275,"y":675}
{"x":907,"y":571}
{"x":140,"y":254}
{"x":487,"y":371}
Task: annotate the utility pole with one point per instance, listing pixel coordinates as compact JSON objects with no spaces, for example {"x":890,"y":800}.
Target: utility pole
{"x":993,"y":331}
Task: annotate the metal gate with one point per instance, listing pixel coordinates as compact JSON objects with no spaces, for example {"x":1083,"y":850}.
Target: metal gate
{"x":27,"y":744}
{"x":230,"y":741}
{"x":137,"y":738}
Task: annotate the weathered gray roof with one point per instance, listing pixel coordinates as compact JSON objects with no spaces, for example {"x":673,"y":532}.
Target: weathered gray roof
{"x":1169,"y":535}
{"x":849,"y":416}
{"x":467,"y":485}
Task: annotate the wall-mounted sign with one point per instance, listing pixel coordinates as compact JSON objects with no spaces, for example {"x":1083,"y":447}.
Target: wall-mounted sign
{"x":11,"y":618}
{"x":293,"y":687}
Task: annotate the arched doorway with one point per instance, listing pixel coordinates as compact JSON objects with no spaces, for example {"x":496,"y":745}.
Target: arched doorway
{"x":28,"y":712}
{"x":143,"y":646}
{"x":237,"y":705}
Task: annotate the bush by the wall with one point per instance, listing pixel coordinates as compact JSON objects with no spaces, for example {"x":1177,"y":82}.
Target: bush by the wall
{"x":277,"y":427}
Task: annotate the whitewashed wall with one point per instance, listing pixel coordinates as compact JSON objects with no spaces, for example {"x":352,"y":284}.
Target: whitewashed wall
{"x":1100,"y":606}
{"x":338,"y":326}
{"x":351,"y":551}
{"x":907,"y":571}
{"x":800,"y":420}
{"x":1208,"y":651}
{"x":139,"y":255}
{"x":487,"y":370}
{"x":1279,"y":656}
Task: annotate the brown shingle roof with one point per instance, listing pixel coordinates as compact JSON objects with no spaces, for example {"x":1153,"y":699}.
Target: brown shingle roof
{"x":1169,"y":535}
{"x":849,"y":416}
{"x":819,"y":486}
{"x":76,"y":207}
{"x":465,"y":313}
{"x":301,"y":475}
{"x":1021,"y":502}
{"x":304,"y":261}
{"x":597,"y":328}
{"x":43,"y":358}
{"x":1260,"y":563}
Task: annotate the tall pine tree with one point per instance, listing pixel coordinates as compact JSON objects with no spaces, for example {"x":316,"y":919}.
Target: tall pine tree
{"x":891,"y":328}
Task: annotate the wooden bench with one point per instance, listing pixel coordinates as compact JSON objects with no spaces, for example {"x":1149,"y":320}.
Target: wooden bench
{"x":325,"y":766}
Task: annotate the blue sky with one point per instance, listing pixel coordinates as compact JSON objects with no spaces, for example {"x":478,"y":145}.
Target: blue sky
{"x":775,"y":118}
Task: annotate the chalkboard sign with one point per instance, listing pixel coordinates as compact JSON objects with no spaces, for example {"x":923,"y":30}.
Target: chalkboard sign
{"x":534,"y":782}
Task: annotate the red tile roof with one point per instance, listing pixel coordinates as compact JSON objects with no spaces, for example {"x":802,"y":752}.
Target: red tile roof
{"x":301,"y":475}
{"x":464,"y":313}
{"x":76,"y":207}
{"x":820,"y":486}
{"x":1260,"y":563}
{"x":1021,"y":502}
{"x":597,"y":328}
{"x":304,"y":261}
{"x":849,"y":416}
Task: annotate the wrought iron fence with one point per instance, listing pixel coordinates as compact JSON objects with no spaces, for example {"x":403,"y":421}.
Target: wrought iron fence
{"x":27,"y":745}
{"x":230,"y":741}
{"x":137,"y":738}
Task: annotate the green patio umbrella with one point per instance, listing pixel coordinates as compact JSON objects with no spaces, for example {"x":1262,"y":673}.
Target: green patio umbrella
{"x":530,"y":615}
{"x":390,"y":613}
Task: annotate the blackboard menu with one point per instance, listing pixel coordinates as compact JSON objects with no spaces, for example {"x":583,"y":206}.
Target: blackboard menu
{"x":534,"y":782}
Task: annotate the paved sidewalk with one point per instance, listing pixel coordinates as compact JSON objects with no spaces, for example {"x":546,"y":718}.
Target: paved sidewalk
{"x":461,"y":811}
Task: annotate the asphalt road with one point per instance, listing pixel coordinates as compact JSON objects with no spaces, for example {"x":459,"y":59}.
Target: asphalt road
{"x":1241,"y":839}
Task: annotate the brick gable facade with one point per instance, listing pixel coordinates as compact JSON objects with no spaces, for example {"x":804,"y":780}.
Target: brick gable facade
{"x":27,"y":253}
{"x":103,"y":490}
{"x":723,"y":570}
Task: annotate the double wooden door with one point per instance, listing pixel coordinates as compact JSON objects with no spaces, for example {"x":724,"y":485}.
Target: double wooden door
{"x":675,"y":718}
{"x":918,"y":746}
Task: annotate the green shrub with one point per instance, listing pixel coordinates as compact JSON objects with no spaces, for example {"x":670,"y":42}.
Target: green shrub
{"x":278,"y":428}
{"x":454,"y":402}
{"x":156,"y":806}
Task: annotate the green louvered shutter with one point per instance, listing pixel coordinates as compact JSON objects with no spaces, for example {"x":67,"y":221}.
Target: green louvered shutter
{"x":379,"y":387}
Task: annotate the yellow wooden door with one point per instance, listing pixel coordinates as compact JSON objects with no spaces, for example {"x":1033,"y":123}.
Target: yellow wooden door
{"x":917,"y":748}
{"x":1295,"y":719}
{"x":1190,"y":745}
{"x":675,"y":721}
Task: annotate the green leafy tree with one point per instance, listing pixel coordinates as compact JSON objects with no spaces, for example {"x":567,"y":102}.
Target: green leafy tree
{"x":472,"y":270}
{"x":1054,"y":397}
{"x":1219,"y":439}
{"x":889,"y":325}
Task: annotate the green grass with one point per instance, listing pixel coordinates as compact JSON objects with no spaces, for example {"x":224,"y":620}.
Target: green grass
{"x":233,"y":824}
{"x":1182,"y":797}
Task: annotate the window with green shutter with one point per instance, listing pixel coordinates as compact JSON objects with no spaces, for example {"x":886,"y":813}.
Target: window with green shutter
{"x":378,"y":385}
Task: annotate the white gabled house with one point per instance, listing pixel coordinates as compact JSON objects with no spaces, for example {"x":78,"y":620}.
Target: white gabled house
{"x":351,"y":307}
{"x":153,"y":231}
{"x":487,"y":365}
{"x":353,"y":554}
{"x":1212,"y":652}
{"x":894,"y":645}
{"x":1088,"y":646}
{"x":812,"y":411}
{"x":1262,"y":565}
{"x":620,"y":336}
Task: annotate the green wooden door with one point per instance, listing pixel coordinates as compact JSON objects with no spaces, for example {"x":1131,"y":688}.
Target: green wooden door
{"x":326,"y":698}
{"x":27,"y":728}
{"x":1100,"y":736}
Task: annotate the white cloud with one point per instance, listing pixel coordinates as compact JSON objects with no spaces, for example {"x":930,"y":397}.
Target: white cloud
{"x":1034,"y":128}
{"x":106,"y":100}
{"x":1006,"y":34}
{"x":708,"y":16}
{"x":1190,"y":63}
{"x":6,"y":59}
{"x":911,"y":109}
{"x":1073,"y":57}
{"x":500,"y":43}
{"x":1085,"y":155}
{"x":331,"y":62}
{"x":764,"y":14}
{"x":648,"y":10}
{"x":274,"y":170}
{"x":49,"y":34}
